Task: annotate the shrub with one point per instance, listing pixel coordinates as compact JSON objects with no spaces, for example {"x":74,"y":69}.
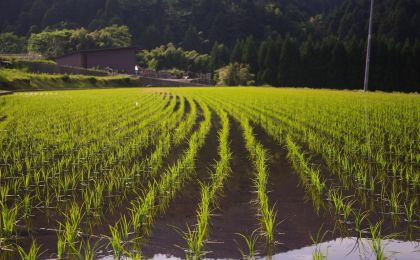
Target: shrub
{"x":65,"y":78}
{"x":234,"y":74}
{"x":92,"y":80}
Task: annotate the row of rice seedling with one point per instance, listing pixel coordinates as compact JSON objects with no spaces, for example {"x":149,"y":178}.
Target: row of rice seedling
{"x":196,"y":237}
{"x":345,"y":170}
{"x":393,"y":195}
{"x":41,"y":184}
{"x":64,"y":185}
{"x":259,"y":155}
{"x":309,"y":175}
{"x":120,"y":230}
{"x":267,"y":214}
{"x":160,"y":192}
{"x":361,"y":179}
{"x":154,"y":161}
{"x":78,"y":158}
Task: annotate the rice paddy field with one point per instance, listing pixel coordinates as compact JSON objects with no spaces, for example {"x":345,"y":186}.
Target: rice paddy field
{"x":209,"y":173}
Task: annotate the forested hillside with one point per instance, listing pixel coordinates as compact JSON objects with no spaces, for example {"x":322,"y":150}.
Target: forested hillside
{"x":198,"y":23}
{"x":285,"y":42}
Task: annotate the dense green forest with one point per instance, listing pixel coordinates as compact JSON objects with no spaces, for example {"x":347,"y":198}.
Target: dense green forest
{"x":319,"y":43}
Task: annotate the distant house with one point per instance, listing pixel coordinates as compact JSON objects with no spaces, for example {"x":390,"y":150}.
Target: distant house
{"x":120,"y":60}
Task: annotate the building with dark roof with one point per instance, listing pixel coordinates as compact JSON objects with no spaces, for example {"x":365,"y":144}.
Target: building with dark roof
{"x":120,"y":60}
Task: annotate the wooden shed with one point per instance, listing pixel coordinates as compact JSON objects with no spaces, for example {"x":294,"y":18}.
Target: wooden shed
{"x":120,"y":60}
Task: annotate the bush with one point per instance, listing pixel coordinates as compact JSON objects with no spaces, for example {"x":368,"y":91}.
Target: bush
{"x":92,"y":80}
{"x":3,"y":81}
{"x":65,"y":78}
{"x":234,"y":74}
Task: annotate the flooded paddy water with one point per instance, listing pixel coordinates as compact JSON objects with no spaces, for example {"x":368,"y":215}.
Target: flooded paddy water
{"x":175,"y":174}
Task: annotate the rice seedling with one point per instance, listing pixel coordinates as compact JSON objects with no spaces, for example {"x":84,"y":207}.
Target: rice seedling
{"x":32,"y":254}
{"x":318,"y":254}
{"x":409,"y":210}
{"x":106,"y":149}
{"x":375,"y":241}
{"x":61,"y":243}
{"x":359,"y":217}
{"x":8,"y":220}
{"x":251,"y":242}
{"x":69,"y":230}
{"x":116,"y":240}
{"x":89,"y":252}
{"x":258,"y":154}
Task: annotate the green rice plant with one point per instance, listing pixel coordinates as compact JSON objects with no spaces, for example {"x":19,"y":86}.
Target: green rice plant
{"x":269,"y":222}
{"x":309,"y":176}
{"x":61,"y":243}
{"x":347,"y":209}
{"x":69,"y":231}
{"x":193,"y":250}
{"x":55,"y":144}
{"x":27,"y":205}
{"x":410,"y":209}
{"x":258,"y":154}
{"x":394,"y":202}
{"x":318,"y":254}
{"x":32,"y":254}
{"x":359,"y":217}
{"x":115,"y":240}
{"x":8,"y":220}
{"x":124,"y":227}
{"x":89,"y":252}
{"x":196,"y":237}
{"x":375,"y":241}
{"x":135,"y":255}
{"x":4,"y":191}
{"x":251,"y":242}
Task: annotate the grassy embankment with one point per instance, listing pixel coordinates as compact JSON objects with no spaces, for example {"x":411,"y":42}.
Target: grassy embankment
{"x":21,"y":76}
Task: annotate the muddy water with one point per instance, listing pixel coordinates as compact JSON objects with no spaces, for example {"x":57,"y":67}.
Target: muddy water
{"x":167,"y":231}
{"x":236,"y":213}
{"x":349,"y":248}
{"x":44,"y":223}
{"x":295,"y":212}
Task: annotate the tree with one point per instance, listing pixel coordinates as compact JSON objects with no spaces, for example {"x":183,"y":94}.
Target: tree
{"x":168,"y":57}
{"x":236,"y":54}
{"x":59,"y":42}
{"x":191,"y":39}
{"x":249,"y":54}
{"x":112,"y":36}
{"x":234,"y":74}
{"x":11,"y":43}
{"x":219,"y":56}
{"x":81,"y":39}
{"x":50,"y":44}
{"x":337,"y":71}
{"x":289,"y":60}
{"x":308,"y":64}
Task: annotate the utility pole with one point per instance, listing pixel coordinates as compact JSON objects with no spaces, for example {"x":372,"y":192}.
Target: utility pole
{"x":366,"y":85}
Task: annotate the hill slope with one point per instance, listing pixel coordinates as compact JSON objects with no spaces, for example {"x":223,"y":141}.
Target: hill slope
{"x":198,"y":23}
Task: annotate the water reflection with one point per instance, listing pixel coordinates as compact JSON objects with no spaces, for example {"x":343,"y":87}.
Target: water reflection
{"x":342,"y":248}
